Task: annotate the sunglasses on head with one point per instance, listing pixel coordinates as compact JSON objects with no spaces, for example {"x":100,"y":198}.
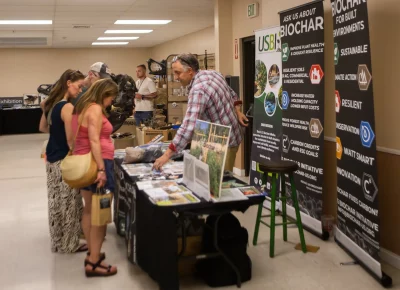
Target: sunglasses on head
{"x":181,"y":59}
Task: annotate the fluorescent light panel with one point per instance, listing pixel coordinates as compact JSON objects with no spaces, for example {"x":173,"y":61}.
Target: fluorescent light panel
{"x":110,"y":43}
{"x":118,"y":38}
{"x":26,"y":22}
{"x":127,"y":31}
{"x":145,"y":22}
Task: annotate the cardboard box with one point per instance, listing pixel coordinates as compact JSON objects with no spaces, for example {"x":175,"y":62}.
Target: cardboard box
{"x":174,"y":118}
{"x":124,"y":142}
{"x":176,"y":98}
{"x":193,"y":247}
{"x":145,"y":136}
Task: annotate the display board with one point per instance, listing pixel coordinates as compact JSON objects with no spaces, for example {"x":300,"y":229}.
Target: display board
{"x":267,"y":115}
{"x":302,"y":35}
{"x":357,"y":190}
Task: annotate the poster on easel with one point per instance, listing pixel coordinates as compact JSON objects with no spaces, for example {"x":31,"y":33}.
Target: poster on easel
{"x":302,"y":36}
{"x":267,"y":118}
{"x":357,"y":191}
{"x":209,"y":144}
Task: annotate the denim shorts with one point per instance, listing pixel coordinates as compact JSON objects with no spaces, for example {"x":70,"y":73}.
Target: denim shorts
{"x":110,"y":183}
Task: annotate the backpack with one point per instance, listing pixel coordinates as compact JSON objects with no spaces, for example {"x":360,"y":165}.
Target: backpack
{"x":233,"y":241}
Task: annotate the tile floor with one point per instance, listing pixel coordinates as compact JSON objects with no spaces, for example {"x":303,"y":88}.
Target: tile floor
{"x":27,"y":263}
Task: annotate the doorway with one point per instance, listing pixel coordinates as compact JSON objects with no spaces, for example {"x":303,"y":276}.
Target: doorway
{"x":248,"y":63}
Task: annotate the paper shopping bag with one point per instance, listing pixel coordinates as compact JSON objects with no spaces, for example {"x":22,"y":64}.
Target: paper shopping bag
{"x":101,"y":208}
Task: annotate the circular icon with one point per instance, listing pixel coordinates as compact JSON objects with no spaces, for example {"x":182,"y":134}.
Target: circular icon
{"x":365,"y":134}
{"x":274,"y":75}
{"x":270,"y":104}
{"x":255,"y":180}
{"x":285,"y":100}
{"x":260,"y":182}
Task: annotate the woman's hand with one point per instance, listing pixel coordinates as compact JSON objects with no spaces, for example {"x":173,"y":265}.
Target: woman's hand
{"x":101,"y":179}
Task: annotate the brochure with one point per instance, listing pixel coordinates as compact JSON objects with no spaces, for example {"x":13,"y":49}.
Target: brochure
{"x":232,"y":184}
{"x":230,"y":194}
{"x":174,"y":199}
{"x":249,"y":191}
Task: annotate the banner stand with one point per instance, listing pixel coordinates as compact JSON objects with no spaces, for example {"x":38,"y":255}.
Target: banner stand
{"x":384,"y":279}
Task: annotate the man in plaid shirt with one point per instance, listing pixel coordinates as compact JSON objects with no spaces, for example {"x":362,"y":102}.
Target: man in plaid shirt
{"x":210,"y":99}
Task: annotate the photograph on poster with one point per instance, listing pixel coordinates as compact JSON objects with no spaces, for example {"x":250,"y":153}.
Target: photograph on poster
{"x":270,"y":104}
{"x":274,"y":75}
{"x":210,"y":145}
{"x":260,"y":79}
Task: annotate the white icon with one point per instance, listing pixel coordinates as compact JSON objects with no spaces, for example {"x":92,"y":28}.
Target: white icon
{"x":268,"y":186}
{"x":366,"y":134}
{"x":255,"y":180}
{"x":285,"y":51}
{"x":363,"y":78}
{"x":366,"y":183}
{"x":314,"y":129}
{"x":260,"y":182}
{"x":335,"y":52}
{"x":285,"y":144}
{"x":315,"y":76}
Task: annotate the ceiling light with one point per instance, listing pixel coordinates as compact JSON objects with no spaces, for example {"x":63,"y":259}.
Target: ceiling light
{"x":110,"y":43}
{"x":25,"y":22}
{"x":118,"y":38}
{"x":128,"y":31}
{"x":142,"y":22}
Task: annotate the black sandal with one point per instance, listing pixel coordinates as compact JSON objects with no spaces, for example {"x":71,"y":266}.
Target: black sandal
{"x":102,"y":257}
{"x":93,"y":273}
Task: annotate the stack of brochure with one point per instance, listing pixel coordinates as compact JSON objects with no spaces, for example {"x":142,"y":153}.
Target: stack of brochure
{"x":168,"y":193}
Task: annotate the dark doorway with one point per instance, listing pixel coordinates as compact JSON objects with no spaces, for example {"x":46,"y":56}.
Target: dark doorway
{"x":248,"y":61}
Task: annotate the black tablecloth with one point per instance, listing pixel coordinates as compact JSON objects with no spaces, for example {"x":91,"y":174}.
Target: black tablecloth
{"x":154,"y":228}
{"x":20,"y":121}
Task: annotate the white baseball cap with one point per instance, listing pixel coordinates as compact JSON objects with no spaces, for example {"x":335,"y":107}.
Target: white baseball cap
{"x":102,"y":69}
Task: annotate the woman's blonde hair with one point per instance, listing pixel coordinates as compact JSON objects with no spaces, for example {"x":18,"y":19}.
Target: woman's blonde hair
{"x":100,"y":90}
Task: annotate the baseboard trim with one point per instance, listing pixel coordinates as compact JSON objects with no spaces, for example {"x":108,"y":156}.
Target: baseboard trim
{"x":239,"y":172}
{"x":391,"y":258}
{"x":378,"y":148}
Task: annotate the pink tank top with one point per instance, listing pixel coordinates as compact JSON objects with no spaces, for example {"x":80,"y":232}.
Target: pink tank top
{"x":82,"y":143}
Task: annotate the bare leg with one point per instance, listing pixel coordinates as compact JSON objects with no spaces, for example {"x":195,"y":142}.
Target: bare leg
{"x":86,"y":216}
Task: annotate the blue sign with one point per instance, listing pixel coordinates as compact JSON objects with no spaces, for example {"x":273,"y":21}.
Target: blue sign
{"x":285,"y":100}
{"x":367,"y":134}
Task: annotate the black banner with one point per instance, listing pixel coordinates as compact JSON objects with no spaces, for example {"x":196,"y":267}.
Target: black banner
{"x":302,"y":35}
{"x":358,"y":214}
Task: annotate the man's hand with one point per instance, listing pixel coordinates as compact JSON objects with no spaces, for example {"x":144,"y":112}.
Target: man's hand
{"x":138,"y":96}
{"x":159,"y":163}
{"x":244,"y":122}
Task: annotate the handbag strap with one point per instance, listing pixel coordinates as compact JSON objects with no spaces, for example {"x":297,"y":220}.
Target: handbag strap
{"x":80,"y":123}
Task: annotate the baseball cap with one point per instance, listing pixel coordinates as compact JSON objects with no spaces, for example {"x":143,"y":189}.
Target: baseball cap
{"x":102,"y":69}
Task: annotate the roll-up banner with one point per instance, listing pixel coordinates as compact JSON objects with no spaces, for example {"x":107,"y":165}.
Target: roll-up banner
{"x":357,"y":191}
{"x":267,"y":114}
{"x":302,"y":102}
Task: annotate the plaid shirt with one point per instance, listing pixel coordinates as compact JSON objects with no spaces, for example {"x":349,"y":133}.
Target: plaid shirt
{"x":212,"y":100}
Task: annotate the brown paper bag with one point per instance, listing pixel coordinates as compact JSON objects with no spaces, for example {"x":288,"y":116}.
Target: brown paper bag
{"x":101,"y":208}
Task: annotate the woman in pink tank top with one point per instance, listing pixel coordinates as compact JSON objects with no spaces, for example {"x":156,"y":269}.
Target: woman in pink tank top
{"x":95,"y":135}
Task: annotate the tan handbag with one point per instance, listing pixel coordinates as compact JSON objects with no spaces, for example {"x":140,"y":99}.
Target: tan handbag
{"x":79,"y":171}
{"x":101,"y":208}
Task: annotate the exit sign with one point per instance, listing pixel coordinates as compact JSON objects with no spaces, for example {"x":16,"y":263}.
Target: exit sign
{"x":252,"y":10}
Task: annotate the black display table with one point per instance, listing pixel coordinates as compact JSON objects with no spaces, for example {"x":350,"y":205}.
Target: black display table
{"x":153,"y":229}
{"x":20,"y":121}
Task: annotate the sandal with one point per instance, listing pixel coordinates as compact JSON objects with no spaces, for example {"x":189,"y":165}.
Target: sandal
{"x":102,"y":257}
{"x":94,"y":273}
{"x":82,"y":248}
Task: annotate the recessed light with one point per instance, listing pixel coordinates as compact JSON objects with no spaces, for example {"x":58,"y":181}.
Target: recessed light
{"x":128,"y":31}
{"x":110,"y":43}
{"x":148,"y":22}
{"x":118,"y":38}
{"x":26,"y":22}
